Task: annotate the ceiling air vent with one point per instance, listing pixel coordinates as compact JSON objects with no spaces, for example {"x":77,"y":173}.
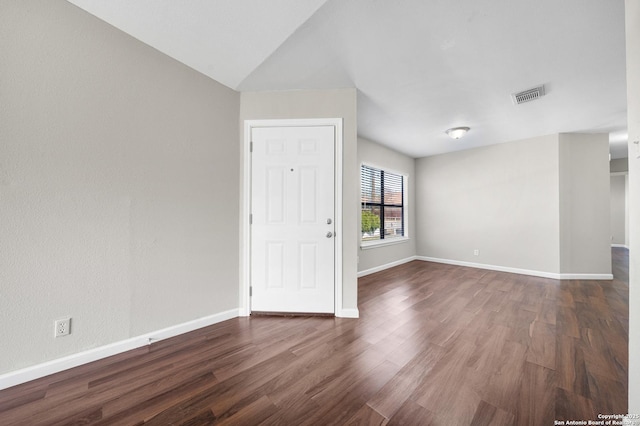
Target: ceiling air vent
{"x":527,"y":95}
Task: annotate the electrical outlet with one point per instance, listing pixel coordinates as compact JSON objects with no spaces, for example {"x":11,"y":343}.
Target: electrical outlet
{"x":476,"y":252}
{"x":63,"y":327}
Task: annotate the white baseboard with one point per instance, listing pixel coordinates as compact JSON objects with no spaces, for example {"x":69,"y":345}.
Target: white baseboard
{"x":586,"y":276}
{"x":385,"y":266}
{"x":348,"y":313}
{"x":37,"y":371}
{"x":542,"y":274}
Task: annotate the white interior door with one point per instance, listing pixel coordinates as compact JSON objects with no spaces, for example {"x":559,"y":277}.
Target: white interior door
{"x":292,"y":227}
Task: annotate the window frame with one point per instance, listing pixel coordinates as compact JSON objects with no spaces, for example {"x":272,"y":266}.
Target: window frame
{"x":367,"y":244}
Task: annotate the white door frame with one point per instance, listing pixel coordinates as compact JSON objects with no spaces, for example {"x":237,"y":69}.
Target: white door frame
{"x":245,"y":230}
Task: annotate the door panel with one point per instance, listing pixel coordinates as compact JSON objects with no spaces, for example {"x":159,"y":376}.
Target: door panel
{"x":292,"y":201}
{"x":275,"y":187}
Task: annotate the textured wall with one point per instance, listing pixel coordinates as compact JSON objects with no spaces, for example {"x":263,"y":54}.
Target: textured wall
{"x":585,"y":224}
{"x":540,"y":204}
{"x":118,"y":185}
{"x":501,"y":200}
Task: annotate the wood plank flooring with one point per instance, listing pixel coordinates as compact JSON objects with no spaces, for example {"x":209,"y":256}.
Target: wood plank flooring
{"x":435,"y":344}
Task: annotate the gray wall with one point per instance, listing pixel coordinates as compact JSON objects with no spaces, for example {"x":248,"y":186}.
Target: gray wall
{"x":632,"y":26}
{"x":540,"y":204}
{"x":502,"y":200}
{"x":112,"y":208}
{"x":619,"y":234}
{"x":340,"y":103}
{"x":377,"y":155}
{"x":619,"y":227}
{"x":619,"y":165}
{"x":585,"y":225}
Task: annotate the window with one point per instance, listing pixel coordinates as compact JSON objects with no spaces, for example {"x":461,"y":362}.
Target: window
{"x":382,"y":198}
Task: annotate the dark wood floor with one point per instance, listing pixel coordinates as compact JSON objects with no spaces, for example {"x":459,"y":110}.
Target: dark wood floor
{"x":435,"y":344}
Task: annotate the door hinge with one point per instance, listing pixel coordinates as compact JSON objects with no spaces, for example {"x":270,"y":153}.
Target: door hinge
{"x":250,"y":219}
{"x":251,"y":146}
{"x":250,"y":291}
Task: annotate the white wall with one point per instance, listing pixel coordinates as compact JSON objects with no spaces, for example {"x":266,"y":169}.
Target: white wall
{"x":377,"y":155}
{"x":502,"y":200}
{"x":618,"y":208}
{"x":118,"y":186}
{"x":632,"y":21}
{"x":585,"y":225}
{"x":340,"y":103}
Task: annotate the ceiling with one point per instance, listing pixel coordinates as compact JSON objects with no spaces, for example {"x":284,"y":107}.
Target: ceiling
{"x":420,"y":66}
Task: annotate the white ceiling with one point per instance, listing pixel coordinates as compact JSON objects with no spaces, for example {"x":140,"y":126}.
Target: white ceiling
{"x":420,"y":66}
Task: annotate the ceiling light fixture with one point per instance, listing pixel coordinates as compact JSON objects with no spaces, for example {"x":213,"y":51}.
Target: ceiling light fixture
{"x":457,"y":132}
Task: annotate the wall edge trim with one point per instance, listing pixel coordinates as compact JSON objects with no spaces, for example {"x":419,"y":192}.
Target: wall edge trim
{"x":542,"y":274}
{"x":37,"y":371}
{"x":348,"y":313}
{"x":586,"y":276}
{"x":620,"y":245}
{"x":386,"y":266}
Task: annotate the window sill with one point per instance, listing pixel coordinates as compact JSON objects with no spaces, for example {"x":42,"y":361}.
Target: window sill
{"x":366,"y":245}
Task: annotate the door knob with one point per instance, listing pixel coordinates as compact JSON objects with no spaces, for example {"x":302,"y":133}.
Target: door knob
{"x":329,"y":234}
{"x":329,"y":221}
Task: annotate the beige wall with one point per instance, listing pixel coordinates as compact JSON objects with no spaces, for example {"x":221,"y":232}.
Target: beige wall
{"x":585,"y":225}
{"x":502,"y":200}
{"x":619,"y":235}
{"x":537,"y":205}
{"x":377,"y":155}
{"x":632,"y":13}
{"x":339,"y":103}
{"x":111,"y":162}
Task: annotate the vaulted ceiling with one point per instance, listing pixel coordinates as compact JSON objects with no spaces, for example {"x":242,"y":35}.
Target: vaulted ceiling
{"x":420,"y":66}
